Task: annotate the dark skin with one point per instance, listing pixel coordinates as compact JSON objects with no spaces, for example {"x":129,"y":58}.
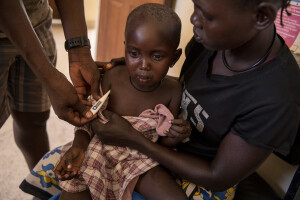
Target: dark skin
{"x":30,"y":130}
{"x":218,"y":25}
{"x":148,"y":58}
{"x":83,"y":70}
{"x":30,"y":134}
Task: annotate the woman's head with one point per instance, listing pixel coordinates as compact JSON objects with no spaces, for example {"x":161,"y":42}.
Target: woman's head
{"x":229,"y":24}
{"x":152,"y":36}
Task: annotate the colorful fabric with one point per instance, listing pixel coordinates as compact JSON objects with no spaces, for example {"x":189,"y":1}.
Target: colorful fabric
{"x":20,"y":89}
{"x":107,"y":170}
{"x":195,"y":192}
{"x":41,"y":182}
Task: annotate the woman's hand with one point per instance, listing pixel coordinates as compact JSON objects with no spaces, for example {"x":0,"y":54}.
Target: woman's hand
{"x":179,"y":131}
{"x":104,"y":66}
{"x":117,"y":131}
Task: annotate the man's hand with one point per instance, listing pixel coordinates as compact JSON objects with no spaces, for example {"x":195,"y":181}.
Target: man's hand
{"x":84,"y":74}
{"x":65,"y":101}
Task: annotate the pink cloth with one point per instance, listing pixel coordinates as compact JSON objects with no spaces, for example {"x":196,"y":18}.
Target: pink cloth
{"x":111,"y":172}
{"x":162,"y":114}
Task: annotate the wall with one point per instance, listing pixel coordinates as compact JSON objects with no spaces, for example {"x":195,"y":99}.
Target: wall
{"x":91,"y":11}
{"x":184,"y":9}
{"x":91,"y":8}
{"x":277,"y":173}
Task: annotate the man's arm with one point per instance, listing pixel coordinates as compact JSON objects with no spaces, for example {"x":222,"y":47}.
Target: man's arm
{"x":84,"y":72}
{"x":15,"y":23}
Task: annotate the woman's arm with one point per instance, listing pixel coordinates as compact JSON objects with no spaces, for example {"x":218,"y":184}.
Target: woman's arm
{"x":235,"y":158}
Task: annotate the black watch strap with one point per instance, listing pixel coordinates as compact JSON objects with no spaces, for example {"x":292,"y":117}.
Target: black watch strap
{"x":77,"y":42}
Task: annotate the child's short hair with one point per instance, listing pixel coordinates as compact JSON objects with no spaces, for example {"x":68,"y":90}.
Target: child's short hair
{"x":157,"y":13}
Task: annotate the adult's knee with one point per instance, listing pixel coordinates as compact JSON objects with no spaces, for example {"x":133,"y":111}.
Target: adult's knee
{"x":26,"y":120}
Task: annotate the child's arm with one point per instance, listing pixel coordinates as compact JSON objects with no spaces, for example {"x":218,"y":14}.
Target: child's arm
{"x":70,"y":163}
{"x":181,"y":130}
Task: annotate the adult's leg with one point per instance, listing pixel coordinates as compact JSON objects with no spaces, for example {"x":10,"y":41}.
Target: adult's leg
{"x":29,"y":102}
{"x":5,"y":57}
{"x":30,"y":108}
{"x":31,"y":135}
{"x":85,"y":195}
{"x":17,"y":84}
{"x":158,"y":184}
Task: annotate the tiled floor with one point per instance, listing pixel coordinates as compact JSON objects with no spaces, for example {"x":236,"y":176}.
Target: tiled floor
{"x":13,"y":167}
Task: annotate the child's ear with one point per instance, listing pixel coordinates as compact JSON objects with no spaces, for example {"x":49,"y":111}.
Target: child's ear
{"x":176,"y":57}
{"x":265,"y":15}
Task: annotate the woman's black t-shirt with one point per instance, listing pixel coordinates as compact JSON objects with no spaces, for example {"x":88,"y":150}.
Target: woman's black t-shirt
{"x":262,"y":106}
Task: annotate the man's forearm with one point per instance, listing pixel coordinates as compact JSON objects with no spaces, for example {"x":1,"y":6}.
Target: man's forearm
{"x":72,"y":16}
{"x":19,"y":30}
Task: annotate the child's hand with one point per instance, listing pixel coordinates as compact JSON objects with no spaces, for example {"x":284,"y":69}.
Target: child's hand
{"x":179,"y":131}
{"x":70,"y":163}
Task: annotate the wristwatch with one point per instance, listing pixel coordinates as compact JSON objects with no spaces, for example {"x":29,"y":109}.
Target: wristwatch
{"x":77,"y":42}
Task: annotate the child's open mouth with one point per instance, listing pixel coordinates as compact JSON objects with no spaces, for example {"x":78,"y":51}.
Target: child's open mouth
{"x":143,"y":78}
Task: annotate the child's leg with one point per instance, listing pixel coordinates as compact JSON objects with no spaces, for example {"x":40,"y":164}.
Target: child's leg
{"x":85,"y":195}
{"x":157,"y":183}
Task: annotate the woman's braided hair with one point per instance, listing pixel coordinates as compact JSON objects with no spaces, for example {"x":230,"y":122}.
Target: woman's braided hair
{"x":284,"y":6}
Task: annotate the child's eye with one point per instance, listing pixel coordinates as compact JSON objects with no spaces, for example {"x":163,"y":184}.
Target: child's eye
{"x":133,"y":54}
{"x":157,"y":57}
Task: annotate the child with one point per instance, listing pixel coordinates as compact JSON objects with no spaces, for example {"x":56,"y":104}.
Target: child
{"x":152,"y":36}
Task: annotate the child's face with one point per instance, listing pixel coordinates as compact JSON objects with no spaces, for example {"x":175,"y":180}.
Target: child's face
{"x":221,"y":25}
{"x":148,"y":54}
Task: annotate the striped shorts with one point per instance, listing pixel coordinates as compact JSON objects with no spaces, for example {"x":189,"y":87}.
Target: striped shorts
{"x":20,"y":89}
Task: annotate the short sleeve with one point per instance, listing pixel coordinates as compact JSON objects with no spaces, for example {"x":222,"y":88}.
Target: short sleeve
{"x":272,"y":126}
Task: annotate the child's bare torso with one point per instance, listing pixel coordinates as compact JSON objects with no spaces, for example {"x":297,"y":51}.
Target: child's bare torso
{"x":125,"y":100}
